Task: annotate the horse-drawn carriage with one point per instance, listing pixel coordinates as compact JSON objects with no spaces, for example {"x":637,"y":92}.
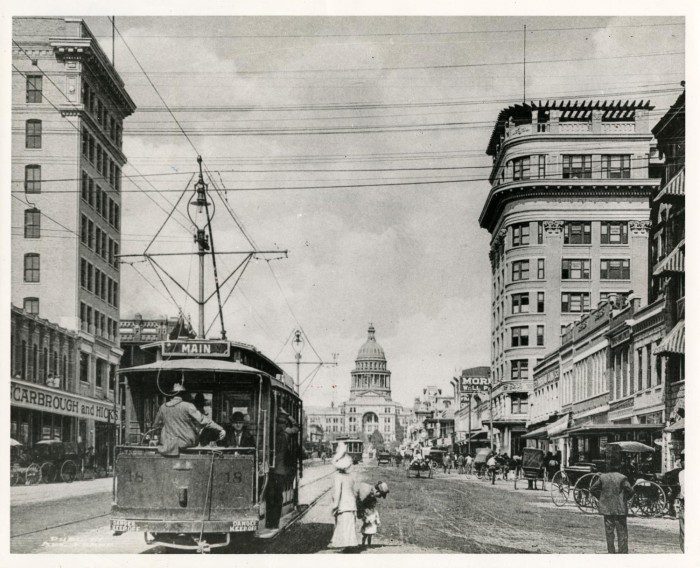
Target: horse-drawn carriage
{"x":480,"y":459}
{"x":418,"y":466}
{"x":533,"y":468}
{"x":574,"y":482}
{"x":47,"y":461}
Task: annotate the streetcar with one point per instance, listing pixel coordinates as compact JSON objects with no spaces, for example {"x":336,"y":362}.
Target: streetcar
{"x":355,"y":448}
{"x":199,"y":499}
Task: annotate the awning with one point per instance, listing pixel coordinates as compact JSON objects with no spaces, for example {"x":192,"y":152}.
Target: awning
{"x":674,"y":262}
{"x":479,"y":436}
{"x":676,"y":426}
{"x":537,"y":433}
{"x":592,"y":429}
{"x":674,"y":342}
{"x":674,"y":189}
{"x":558,"y":427}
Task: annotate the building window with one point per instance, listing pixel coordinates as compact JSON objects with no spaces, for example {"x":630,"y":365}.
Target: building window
{"x":98,"y":373}
{"x":540,"y":268}
{"x":577,"y":166}
{"x":640,"y":370}
{"x":31,"y":267}
{"x":33,"y":88}
{"x":521,"y":270}
{"x":521,"y":168}
{"x":521,"y":234}
{"x":32,"y":223}
{"x":112,"y":376}
{"x":577,"y":233}
{"x":575,"y":301}
{"x":540,"y":232}
{"x":518,"y":404}
{"x":575,"y":269}
{"x":540,"y":335}
{"x":31,"y":305}
{"x":84,"y":370}
{"x":540,"y":302}
{"x":618,"y":269}
{"x":32,"y":178}
{"x":519,"y":336}
{"x":33,"y":134}
{"x":613,"y":233}
{"x":615,"y":166}
{"x":518,"y":369}
{"x":520,"y":303}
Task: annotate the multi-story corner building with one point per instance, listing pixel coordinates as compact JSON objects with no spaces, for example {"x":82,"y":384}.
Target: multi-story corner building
{"x":668,"y":271}
{"x":568,"y":213}
{"x":68,"y":106}
{"x":51,"y":396}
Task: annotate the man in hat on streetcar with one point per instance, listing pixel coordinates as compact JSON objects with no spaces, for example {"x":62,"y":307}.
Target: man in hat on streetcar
{"x":238,"y":436}
{"x":181,"y":423}
{"x":284,"y":466}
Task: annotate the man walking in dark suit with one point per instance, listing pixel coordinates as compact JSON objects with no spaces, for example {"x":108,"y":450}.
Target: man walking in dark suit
{"x":613,"y":490}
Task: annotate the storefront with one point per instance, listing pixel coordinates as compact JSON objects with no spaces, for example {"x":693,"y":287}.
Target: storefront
{"x":39,"y":413}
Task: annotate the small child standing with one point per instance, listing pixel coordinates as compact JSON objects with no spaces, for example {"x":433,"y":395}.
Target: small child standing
{"x":370,"y":523}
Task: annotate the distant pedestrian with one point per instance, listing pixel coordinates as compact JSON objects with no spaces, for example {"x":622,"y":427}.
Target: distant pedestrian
{"x":446,"y":464}
{"x":492,"y":465}
{"x":613,"y":490}
{"x":323,"y":457}
{"x":344,"y":501}
{"x":469,"y":464}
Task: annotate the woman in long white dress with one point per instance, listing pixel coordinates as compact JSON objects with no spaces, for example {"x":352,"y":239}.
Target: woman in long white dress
{"x":344,"y":501}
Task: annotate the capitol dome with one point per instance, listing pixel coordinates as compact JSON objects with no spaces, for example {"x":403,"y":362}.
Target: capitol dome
{"x":371,"y":349}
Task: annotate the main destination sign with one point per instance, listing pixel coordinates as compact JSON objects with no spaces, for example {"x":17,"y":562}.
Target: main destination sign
{"x":194,"y":348}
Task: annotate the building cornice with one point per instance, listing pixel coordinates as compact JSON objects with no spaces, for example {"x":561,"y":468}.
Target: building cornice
{"x":578,"y":189}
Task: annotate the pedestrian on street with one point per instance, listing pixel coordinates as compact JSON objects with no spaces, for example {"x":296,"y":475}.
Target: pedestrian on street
{"x":446,"y":463}
{"x":344,"y":502}
{"x":367,"y":497}
{"x":469,"y":464}
{"x":491,"y":465}
{"x":613,"y":490}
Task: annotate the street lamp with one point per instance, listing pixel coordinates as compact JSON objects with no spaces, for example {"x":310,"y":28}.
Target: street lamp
{"x":297,"y":345}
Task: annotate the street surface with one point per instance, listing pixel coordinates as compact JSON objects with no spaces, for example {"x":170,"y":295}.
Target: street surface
{"x":449,"y":513}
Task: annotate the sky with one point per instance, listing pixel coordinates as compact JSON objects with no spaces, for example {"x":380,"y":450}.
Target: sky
{"x":395,"y":113}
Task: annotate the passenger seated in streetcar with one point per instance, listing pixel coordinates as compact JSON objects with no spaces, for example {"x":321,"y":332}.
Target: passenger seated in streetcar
{"x":181,"y":423}
{"x":238,"y":436}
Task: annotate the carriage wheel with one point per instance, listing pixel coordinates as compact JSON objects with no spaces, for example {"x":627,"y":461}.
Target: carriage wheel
{"x":559,"y":488}
{"x":48,"y":472}
{"x":583,"y":498}
{"x":15,"y":476}
{"x":480,"y":473}
{"x":650,"y":499}
{"x":68,"y":471}
{"x":32,"y":475}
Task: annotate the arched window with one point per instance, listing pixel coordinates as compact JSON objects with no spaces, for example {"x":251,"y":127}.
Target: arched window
{"x":31,"y":267}
{"x":32,"y":178}
{"x":33,"y":133}
{"x":32,"y":223}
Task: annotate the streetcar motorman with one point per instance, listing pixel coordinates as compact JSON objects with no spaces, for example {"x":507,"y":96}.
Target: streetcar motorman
{"x":283,"y":468}
{"x":181,"y":423}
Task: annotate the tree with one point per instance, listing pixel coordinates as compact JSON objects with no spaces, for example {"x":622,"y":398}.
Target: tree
{"x":377,"y":440}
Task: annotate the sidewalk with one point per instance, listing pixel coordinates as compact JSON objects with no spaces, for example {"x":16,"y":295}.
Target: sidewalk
{"x":25,"y":494}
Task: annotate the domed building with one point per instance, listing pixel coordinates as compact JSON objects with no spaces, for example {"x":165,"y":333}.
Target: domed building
{"x":370,"y":407}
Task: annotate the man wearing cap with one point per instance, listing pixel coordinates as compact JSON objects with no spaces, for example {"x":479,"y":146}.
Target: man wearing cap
{"x":238,"y":436}
{"x":181,"y":423}
{"x":283,"y":467}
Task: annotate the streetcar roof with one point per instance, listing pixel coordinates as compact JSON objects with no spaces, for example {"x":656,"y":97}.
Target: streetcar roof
{"x":199,"y":364}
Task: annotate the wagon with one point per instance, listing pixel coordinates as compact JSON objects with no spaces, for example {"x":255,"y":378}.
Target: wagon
{"x":575,"y":482}
{"x":56,"y":459}
{"x":23,"y":471}
{"x":383,"y":457}
{"x":420,"y":466}
{"x":482,"y":456}
{"x":533,"y":468}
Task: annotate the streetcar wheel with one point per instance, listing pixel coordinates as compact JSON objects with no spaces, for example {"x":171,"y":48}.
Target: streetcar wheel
{"x":68,"y":471}
{"x":48,"y":472}
{"x":32,"y":474}
{"x":559,"y":489}
{"x":583,"y":498}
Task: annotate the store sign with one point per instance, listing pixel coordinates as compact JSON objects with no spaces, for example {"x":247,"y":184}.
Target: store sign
{"x":37,"y":398}
{"x":196,"y":348}
{"x":470,"y":385}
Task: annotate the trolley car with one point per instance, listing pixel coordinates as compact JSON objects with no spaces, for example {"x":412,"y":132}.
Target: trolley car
{"x":200,"y":498}
{"x":355,"y":448}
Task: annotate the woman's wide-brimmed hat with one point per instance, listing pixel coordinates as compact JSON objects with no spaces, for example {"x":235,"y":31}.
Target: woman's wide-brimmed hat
{"x":341,"y":459}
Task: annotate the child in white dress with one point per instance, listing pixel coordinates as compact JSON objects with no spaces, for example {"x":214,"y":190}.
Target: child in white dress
{"x":370,"y":523}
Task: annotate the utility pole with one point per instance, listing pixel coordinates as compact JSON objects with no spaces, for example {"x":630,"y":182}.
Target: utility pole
{"x":469,"y":427}
{"x":202,"y":240}
{"x":297,"y":345}
{"x":491,"y":417}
